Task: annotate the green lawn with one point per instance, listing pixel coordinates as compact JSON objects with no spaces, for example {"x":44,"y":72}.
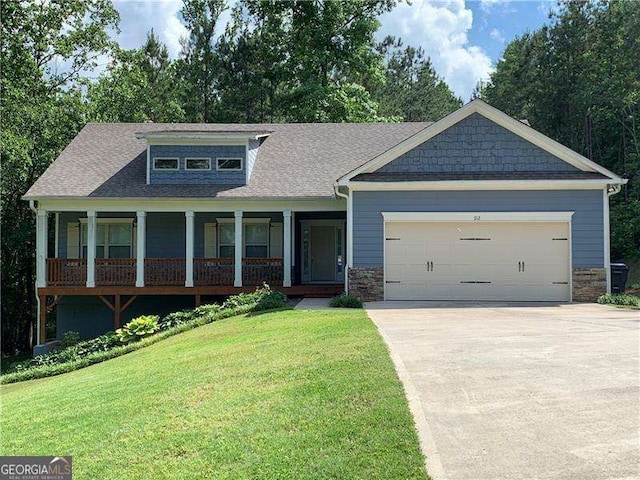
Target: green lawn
{"x":291,"y":394}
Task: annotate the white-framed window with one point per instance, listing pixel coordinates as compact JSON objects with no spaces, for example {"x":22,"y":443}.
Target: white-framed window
{"x":114,"y":239}
{"x":255,"y":235}
{"x":162,"y":163}
{"x":228,"y":163}
{"x":197,"y":164}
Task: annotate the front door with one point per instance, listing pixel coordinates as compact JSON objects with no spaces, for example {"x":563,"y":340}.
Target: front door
{"x":322,"y":247}
{"x":323,"y":253}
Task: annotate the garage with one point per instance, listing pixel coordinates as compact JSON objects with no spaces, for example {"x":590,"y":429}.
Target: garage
{"x":506,"y":257}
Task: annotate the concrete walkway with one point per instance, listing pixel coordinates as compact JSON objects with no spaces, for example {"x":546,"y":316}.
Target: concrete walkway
{"x":313,"y":304}
{"x":504,"y":391}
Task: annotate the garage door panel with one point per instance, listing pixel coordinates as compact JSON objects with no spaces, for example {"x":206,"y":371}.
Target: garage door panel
{"x":477,"y":261}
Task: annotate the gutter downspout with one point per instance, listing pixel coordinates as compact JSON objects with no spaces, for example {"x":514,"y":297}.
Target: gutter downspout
{"x":35,"y":210}
{"x":336,"y":188}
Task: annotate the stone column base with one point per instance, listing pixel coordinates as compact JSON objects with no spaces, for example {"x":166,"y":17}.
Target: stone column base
{"x":589,"y":284}
{"x":367,"y":283}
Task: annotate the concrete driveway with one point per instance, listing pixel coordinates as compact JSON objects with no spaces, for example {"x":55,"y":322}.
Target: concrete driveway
{"x":519,"y":391}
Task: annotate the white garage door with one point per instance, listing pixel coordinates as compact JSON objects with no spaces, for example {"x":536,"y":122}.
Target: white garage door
{"x":526,"y":261}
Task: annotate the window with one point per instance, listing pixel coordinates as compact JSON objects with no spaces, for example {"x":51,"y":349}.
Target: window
{"x":256,"y":243}
{"x":256,"y":240}
{"x":113,"y":240}
{"x":198,"y":164}
{"x":165,"y":164}
{"x":226,"y":240}
{"x":229,"y":163}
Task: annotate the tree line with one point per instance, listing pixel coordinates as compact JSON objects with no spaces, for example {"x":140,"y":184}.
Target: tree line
{"x":577,"y":79}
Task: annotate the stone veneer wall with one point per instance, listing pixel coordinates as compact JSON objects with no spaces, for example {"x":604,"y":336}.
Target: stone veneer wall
{"x":367,"y":283}
{"x":589,"y":284}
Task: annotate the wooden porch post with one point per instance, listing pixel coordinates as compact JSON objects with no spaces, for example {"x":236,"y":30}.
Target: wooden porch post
{"x":117,"y":310}
{"x":286,"y":282}
{"x":42,"y":320}
{"x":237,"y":282}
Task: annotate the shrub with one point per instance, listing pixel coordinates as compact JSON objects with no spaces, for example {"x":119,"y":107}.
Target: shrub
{"x":271,"y":300}
{"x":263,"y":299}
{"x":345,"y":301}
{"x":69,"y":339}
{"x":176,"y":318}
{"x":138,"y":328}
{"x":208,"y":311}
{"x":620,"y":299}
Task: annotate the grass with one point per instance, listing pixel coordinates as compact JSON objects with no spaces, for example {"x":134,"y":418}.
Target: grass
{"x":289,"y":394}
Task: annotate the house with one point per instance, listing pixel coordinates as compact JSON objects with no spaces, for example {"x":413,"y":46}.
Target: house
{"x":477,"y":206}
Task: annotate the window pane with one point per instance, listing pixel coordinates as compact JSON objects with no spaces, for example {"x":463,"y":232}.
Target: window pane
{"x":120,"y":234}
{"x":227,"y":233}
{"x":227,"y":252}
{"x":198,"y":164}
{"x":165,"y":163}
{"x":257,"y":234}
{"x":229,"y":163}
{"x":255,"y":251}
{"x":99,"y":234}
{"x":119,"y":252}
{"x":99,"y":252}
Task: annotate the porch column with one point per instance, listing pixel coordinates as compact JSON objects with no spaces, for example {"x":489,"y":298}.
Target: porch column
{"x":237,"y":282}
{"x":286,"y":282}
{"x":41,"y":249}
{"x":141,"y":246}
{"x":189,"y":253}
{"x":91,"y":248}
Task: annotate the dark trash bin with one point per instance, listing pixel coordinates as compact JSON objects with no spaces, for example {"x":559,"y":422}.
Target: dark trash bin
{"x":619,"y":274}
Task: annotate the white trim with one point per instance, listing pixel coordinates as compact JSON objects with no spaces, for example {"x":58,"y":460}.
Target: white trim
{"x":189,"y":233}
{"x":607,"y":238}
{"x":141,"y":241}
{"x":148,"y":164}
{"x":481,"y":217}
{"x":482,"y":185}
{"x":217,"y":205}
{"x":239,"y":244}
{"x":201,"y":135}
{"x":91,"y":248}
{"x":186,"y":164}
{"x":56,"y":250}
{"x":349,"y":232}
{"x":495,"y":115}
{"x":190,"y":142}
{"x":166,"y":169}
{"x":41,"y":247}
{"x":477,"y":216}
{"x":229,"y":169}
{"x":83,"y":220}
{"x":286,"y":263}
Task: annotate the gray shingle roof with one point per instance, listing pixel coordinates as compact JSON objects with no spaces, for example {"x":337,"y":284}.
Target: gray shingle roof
{"x":295,"y":160}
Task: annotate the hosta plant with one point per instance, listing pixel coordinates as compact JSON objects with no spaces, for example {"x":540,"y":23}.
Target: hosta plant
{"x":138,"y":328}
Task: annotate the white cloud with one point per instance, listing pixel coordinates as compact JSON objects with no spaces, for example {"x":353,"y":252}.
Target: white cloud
{"x":487,"y":5}
{"x":440,"y":27}
{"x":497,"y":35}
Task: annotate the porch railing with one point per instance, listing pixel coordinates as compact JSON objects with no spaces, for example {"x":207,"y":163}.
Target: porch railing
{"x":164,"y":271}
{"x":256,"y":271}
{"x":66,"y":271}
{"x":213,"y":271}
{"x":115,"y":271}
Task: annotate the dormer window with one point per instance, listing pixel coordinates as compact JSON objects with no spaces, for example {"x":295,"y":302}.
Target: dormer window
{"x":198,"y":164}
{"x":165,"y":163}
{"x":228,"y":163}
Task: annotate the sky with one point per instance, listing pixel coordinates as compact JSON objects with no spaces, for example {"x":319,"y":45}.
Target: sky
{"x":463,"y":38}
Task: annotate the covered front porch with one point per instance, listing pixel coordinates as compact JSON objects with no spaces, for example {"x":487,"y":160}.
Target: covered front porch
{"x":118,"y":256}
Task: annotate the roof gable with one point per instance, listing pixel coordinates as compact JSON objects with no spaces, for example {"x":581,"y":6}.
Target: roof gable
{"x":419,"y":153}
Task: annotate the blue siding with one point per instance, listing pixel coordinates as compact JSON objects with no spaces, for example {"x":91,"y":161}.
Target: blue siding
{"x":91,"y":317}
{"x":166,"y":235}
{"x":213,"y":176}
{"x":477,"y":144}
{"x":587,"y":222}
